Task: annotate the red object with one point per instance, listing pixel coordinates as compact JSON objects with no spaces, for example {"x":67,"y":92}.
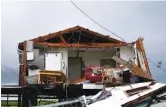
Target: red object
{"x":88,"y":74}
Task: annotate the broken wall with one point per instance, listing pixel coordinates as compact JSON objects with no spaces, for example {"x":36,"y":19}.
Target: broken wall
{"x":130,"y":53}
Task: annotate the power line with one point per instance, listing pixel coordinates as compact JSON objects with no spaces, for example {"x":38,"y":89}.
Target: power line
{"x":110,"y":32}
{"x":157,"y":65}
{"x":95,"y":20}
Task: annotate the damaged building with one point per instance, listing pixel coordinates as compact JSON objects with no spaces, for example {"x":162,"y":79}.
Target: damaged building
{"x":75,"y":55}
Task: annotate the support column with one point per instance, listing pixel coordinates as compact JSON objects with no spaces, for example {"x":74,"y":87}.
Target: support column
{"x":24,"y":62}
{"x":19,"y":100}
{"x":25,"y":100}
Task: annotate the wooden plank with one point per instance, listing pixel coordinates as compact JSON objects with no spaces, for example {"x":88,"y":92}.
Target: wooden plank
{"x":45,"y":73}
{"x":21,"y":70}
{"x":54,"y":73}
{"x":62,"y":39}
{"x":78,"y":81}
{"x":133,"y":67}
{"x":24,"y":63}
{"x":101,"y":35}
{"x":140,"y":47}
{"x":81,"y":45}
{"x":52,"y":35}
{"x":76,"y":28}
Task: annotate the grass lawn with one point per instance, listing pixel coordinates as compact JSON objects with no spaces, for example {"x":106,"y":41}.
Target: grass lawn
{"x":14,"y":103}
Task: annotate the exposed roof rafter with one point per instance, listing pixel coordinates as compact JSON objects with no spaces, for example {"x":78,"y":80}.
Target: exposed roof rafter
{"x":52,"y":35}
{"x":76,"y":28}
{"x":60,"y":37}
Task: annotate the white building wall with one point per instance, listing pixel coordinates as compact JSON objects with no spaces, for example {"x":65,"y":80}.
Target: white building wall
{"x":38,"y":59}
{"x":127,"y":53}
{"x":90,"y":57}
{"x":93,"y":57}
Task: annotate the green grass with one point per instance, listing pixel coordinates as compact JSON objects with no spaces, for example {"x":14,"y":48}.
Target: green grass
{"x":45,"y":102}
{"x":14,"y":103}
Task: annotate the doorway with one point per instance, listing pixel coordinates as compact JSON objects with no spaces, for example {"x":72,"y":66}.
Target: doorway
{"x":74,"y":68}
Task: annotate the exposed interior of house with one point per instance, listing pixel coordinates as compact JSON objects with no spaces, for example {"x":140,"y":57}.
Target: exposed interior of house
{"x":79,"y":55}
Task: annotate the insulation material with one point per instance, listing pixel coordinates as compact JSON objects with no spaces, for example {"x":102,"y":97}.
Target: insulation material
{"x":53,"y":61}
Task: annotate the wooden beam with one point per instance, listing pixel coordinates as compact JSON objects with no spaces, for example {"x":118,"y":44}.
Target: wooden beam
{"x":140,"y":47}
{"x":76,"y":28}
{"x":62,"y":39}
{"x":81,"y":45}
{"x":24,"y":62}
{"x":21,"y":69}
{"x":56,"y":34}
{"x":101,"y":35}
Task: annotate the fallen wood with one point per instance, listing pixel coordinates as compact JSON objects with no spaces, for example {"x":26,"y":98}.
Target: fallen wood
{"x":133,"y":67}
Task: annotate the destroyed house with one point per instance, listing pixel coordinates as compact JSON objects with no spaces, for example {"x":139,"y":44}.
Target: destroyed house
{"x":64,"y":56}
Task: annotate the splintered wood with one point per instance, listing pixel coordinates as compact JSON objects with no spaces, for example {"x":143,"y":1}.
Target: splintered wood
{"x":133,"y":67}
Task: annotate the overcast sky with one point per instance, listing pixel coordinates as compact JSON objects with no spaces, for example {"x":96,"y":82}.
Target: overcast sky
{"x":26,"y":20}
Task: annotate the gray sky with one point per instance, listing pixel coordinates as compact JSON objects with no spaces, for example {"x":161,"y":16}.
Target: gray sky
{"x":26,"y":20}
